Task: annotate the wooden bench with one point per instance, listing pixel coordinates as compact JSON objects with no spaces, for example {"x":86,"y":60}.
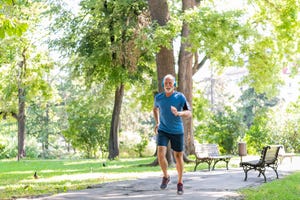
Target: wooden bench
{"x":209,"y":153}
{"x":282,"y":154}
{"x":268,"y":158}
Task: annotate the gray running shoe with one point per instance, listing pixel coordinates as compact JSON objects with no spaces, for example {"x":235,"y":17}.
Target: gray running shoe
{"x":164,"y":182}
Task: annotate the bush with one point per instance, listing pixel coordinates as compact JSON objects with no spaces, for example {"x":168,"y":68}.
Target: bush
{"x":133,"y":145}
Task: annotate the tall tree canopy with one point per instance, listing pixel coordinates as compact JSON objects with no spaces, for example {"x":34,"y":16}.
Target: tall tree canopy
{"x":101,"y":41}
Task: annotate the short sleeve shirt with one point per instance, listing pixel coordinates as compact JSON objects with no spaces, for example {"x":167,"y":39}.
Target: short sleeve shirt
{"x":170,"y":123}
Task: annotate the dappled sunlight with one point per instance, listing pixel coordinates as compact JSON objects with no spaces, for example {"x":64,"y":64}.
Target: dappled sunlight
{"x":41,"y":171}
{"x":83,"y":162}
{"x":100,"y":176}
{"x":19,"y":172}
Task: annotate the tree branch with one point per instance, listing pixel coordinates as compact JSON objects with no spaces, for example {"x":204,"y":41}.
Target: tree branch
{"x":200,"y":65}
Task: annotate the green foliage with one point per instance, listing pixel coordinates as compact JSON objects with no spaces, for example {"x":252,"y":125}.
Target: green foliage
{"x":257,"y":135}
{"x":101,"y":40}
{"x":88,"y":127}
{"x":10,"y":25}
{"x":252,"y":102}
{"x":224,"y":129}
{"x":277,"y":48}
{"x":140,"y":147}
{"x":89,"y":117}
{"x":284,"y":126}
{"x":218,"y":35}
{"x":264,"y":67}
{"x":2,"y":147}
{"x":45,"y":124}
{"x":200,"y":106}
{"x":160,"y":36}
{"x":136,"y":131}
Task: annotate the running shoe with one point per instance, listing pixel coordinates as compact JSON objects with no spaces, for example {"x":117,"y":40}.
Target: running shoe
{"x":179,"y":188}
{"x":164,"y":182}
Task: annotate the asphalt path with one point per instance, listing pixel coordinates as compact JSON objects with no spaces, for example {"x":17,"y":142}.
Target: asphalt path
{"x":219,"y":184}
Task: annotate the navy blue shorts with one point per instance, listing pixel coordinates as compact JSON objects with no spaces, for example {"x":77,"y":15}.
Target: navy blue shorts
{"x":177,"y":140}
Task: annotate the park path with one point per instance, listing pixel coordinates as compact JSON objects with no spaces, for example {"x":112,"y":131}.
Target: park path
{"x":219,"y":184}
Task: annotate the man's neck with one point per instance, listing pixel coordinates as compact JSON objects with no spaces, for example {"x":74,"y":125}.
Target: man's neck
{"x":169,"y":93}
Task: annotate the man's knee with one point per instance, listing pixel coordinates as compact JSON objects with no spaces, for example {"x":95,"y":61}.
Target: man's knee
{"x":161,"y":151}
{"x":178,"y":155}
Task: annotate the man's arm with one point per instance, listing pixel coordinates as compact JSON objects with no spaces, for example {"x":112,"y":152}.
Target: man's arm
{"x":184,"y":113}
{"x":156,"y":118}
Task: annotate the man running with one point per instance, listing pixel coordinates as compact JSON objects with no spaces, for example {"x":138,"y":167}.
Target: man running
{"x":169,"y":108}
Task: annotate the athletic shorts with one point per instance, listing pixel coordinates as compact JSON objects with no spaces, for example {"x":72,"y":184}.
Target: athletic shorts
{"x":177,"y":140}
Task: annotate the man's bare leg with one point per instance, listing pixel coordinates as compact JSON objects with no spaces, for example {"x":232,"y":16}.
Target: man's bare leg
{"x":179,"y":164}
{"x":161,"y":155}
{"x":163,"y":163}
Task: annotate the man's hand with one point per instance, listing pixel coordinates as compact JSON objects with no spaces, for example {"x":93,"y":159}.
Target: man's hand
{"x":174,"y":111}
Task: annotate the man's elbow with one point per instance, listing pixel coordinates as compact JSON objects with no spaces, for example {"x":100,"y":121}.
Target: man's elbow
{"x":190,"y":114}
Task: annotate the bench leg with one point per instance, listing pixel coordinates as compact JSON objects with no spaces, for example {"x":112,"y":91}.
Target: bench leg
{"x":197,"y":163}
{"x":215,"y":162}
{"x":276,"y":174}
{"x":262,"y":171}
{"x":264,"y":176}
{"x":227,"y":164}
{"x":246,"y":169}
{"x":246,"y":176}
{"x":274,"y":167}
{"x":209,"y":163}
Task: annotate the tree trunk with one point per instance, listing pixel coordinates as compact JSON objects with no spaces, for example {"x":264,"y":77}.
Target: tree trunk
{"x":185,"y":78}
{"x":165,"y":61}
{"x":113,"y":146}
{"x":21,"y":124}
{"x":21,"y":104}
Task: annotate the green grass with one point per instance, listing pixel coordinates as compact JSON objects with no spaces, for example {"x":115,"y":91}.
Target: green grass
{"x":56,"y":176}
{"x":287,"y":188}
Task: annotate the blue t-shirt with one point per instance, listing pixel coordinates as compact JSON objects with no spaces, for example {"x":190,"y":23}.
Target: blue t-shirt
{"x":170,"y":123}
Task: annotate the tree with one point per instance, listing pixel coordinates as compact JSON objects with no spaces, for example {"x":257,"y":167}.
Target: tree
{"x":230,"y":38}
{"x":159,"y":12}
{"x":185,"y":75}
{"x":191,"y":39}
{"x":22,"y":70}
{"x":101,"y":40}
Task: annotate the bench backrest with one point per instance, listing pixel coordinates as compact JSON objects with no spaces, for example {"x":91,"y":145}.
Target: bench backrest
{"x":269,"y":155}
{"x":206,"y":150}
{"x":272,"y":154}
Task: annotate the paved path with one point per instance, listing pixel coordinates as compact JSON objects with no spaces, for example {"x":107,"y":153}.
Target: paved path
{"x":203,"y":185}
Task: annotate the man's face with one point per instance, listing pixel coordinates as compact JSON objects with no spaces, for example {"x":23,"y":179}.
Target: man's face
{"x":169,"y":85}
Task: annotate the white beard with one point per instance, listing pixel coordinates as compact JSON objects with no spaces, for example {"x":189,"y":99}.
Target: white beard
{"x":169,"y":90}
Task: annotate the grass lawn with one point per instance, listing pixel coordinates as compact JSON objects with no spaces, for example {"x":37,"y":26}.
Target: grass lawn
{"x":56,"y":176}
{"x":287,"y":188}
